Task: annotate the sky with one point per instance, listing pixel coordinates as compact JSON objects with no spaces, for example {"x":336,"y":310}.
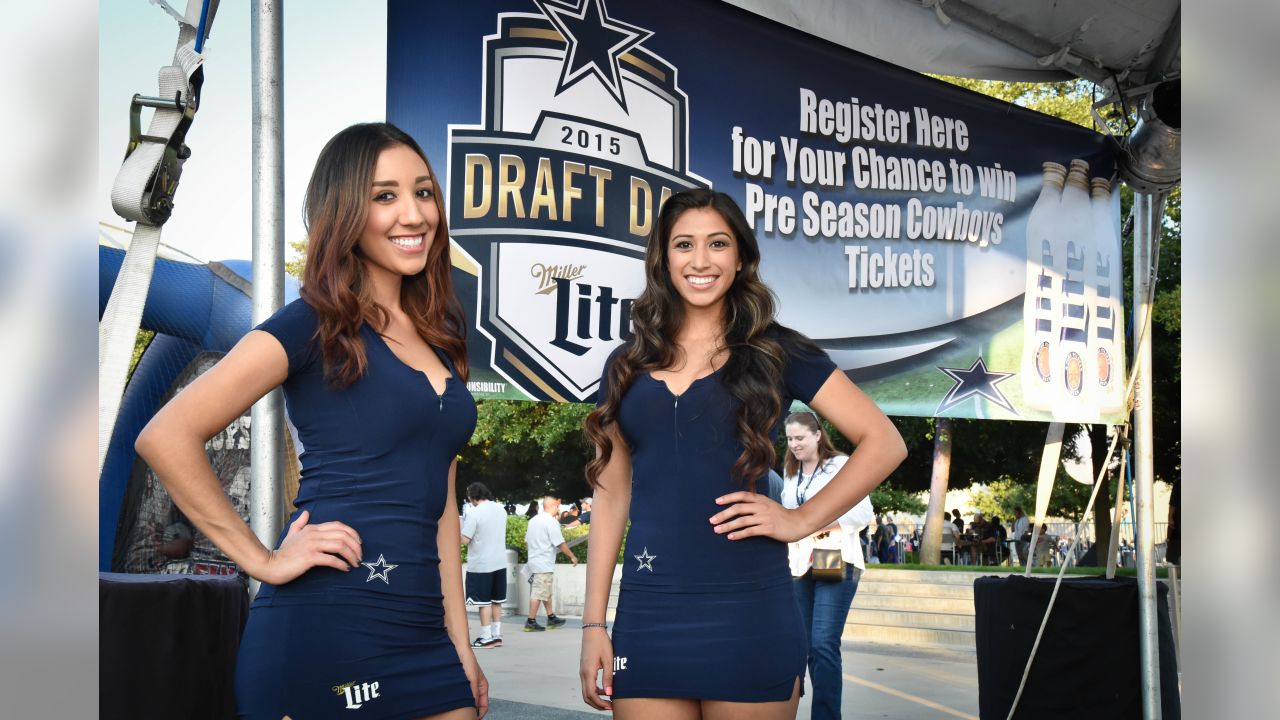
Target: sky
{"x":334,"y":75}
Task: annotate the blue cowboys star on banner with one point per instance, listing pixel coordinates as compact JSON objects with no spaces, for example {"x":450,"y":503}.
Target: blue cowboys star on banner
{"x":595,"y":42}
{"x":976,"y":381}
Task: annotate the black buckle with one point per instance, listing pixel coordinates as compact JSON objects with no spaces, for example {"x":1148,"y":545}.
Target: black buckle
{"x":157,"y":197}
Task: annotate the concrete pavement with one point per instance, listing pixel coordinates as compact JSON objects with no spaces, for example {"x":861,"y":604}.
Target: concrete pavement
{"x":534,"y":676}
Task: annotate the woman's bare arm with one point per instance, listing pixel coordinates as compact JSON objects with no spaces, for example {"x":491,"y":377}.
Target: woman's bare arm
{"x":455,"y":609}
{"x":173,"y":445}
{"x":879,"y":449}
{"x":610,"y":508}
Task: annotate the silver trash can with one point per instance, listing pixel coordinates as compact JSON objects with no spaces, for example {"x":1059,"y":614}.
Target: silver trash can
{"x":512,"y":604}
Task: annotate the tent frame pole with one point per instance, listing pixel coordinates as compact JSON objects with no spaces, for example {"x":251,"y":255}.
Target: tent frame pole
{"x":1147,"y":219}
{"x":267,"y":417}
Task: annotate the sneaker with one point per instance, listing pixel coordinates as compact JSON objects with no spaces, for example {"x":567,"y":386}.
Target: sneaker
{"x":554,"y":622}
{"x":493,"y":642}
{"x":532,"y":626}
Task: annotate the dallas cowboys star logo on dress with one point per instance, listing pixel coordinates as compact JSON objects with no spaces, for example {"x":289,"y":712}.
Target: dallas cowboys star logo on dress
{"x":977,"y":381}
{"x":594,"y":41}
{"x":375,"y":573}
{"x":646,"y":560}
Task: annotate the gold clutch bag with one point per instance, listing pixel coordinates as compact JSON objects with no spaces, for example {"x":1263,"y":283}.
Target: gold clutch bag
{"x":828,"y":565}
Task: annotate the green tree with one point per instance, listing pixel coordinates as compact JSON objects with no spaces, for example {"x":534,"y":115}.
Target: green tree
{"x":1069,"y":100}
{"x":1000,"y":497}
{"x":295,"y":266}
{"x":889,"y":498}
{"x":523,"y":450}
{"x":140,"y":345}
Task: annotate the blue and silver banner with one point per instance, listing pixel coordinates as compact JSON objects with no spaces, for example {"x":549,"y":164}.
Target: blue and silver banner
{"x":955,"y":255}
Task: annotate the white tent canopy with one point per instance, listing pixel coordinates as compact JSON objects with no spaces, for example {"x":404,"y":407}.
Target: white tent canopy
{"x":1128,"y":43}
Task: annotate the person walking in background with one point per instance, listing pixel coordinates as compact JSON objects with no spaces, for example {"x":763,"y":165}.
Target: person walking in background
{"x":810,"y":463}
{"x":883,"y":539}
{"x":1021,"y":534}
{"x":543,"y":538}
{"x":365,"y":582}
{"x":484,"y":532}
{"x":689,"y":407}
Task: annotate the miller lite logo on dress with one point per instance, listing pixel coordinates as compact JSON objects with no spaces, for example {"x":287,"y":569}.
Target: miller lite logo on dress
{"x":357,"y":694}
{"x":584,"y":133}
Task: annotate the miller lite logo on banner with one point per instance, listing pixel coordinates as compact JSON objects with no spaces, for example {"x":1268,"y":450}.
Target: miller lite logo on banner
{"x":551,"y":198}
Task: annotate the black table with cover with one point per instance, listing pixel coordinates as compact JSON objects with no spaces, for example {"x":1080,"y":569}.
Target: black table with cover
{"x":1088,"y":663}
{"x":167,"y":645}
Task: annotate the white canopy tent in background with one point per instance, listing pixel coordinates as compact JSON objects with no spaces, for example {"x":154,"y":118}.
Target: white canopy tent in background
{"x":1126,"y":42}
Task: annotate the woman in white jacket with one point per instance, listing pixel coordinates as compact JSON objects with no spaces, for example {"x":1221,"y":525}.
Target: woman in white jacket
{"x":811,"y":462}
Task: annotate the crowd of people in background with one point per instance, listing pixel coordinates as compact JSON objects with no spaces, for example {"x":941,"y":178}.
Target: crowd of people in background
{"x":979,"y":541}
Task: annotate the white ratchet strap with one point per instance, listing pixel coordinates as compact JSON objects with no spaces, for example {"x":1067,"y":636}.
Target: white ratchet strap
{"x":143,"y":193}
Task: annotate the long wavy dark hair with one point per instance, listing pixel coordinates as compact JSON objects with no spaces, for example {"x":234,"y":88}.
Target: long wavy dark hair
{"x":826,"y":450}
{"x":335,"y":281}
{"x":753,"y":372}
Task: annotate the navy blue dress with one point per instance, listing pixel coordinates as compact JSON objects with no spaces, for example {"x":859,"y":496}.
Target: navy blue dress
{"x":701,"y":616}
{"x":376,"y":457}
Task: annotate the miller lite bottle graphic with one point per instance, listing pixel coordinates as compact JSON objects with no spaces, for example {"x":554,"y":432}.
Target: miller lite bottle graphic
{"x":1074,"y":236}
{"x":1106,"y":344}
{"x":1044,"y":283}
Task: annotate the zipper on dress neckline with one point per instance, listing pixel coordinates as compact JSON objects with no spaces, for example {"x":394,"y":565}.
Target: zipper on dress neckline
{"x":675,"y":422}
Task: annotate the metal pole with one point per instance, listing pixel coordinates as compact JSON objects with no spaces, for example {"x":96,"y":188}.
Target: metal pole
{"x":267,"y":419}
{"x":1146,"y":221}
{"x":1175,"y":597}
{"x":1116,"y":513}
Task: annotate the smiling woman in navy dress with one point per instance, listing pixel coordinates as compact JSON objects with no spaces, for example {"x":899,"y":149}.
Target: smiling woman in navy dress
{"x":707,"y":623}
{"x":358,"y":609}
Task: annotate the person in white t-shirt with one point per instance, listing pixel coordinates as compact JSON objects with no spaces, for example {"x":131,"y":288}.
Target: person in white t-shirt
{"x":812,"y":462}
{"x":1021,"y":529}
{"x":543,"y":538}
{"x":484,"y":532}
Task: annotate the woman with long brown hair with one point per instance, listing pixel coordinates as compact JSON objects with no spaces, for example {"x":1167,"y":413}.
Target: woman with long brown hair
{"x":361,"y":605}
{"x":812,"y":462}
{"x":707,"y":624}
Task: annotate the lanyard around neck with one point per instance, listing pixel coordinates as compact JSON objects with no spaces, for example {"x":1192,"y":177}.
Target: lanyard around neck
{"x":802,"y":494}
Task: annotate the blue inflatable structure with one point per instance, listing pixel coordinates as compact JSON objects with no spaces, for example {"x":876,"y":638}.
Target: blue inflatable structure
{"x":192,"y":308}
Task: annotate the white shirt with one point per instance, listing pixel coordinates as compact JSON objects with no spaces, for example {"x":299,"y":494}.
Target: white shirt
{"x":1020,"y":526}
{"x":800,"y":554}
{"x":542,"y":538}
{"x":486,"y":525}
{"x":948,"y":532}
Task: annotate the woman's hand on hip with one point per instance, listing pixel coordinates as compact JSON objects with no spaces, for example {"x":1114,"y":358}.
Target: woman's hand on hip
{"x":751,"y":514}
{"x":596,"y":666}
{"x":329,"y":544}
{"x":475,"y":676}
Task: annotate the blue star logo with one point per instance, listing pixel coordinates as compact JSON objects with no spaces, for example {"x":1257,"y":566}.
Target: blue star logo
{"x":376,"y":574}
{"x":977,"y":381}
{"x":646,"y":560}
{"x":594,"y":43}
